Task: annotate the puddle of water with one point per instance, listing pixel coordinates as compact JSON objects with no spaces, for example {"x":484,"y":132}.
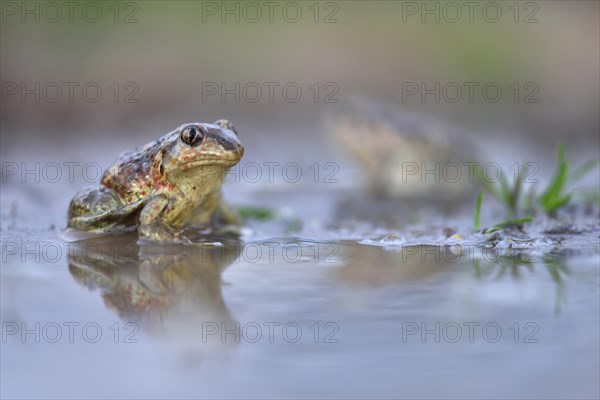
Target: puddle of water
{"x":285,"y":318}
{"x":354,"y":304}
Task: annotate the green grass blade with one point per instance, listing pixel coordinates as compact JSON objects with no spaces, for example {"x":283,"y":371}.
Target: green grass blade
{"x":554,"y":198}
{"x":259,"y":213}
{"x":477,"y":214}
{"x":513,"y":222}
{"x":559,"y":202}
{"x":516,"y":192}
{"x":487,"y":185}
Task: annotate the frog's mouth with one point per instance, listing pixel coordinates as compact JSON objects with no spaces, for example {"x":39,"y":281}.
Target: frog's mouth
{"x":214,"y":161}
{"x":216,"y":166}
{"x":226,"y":157}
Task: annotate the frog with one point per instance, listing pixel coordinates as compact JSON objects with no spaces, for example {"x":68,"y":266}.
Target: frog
{"x":165,"y":187}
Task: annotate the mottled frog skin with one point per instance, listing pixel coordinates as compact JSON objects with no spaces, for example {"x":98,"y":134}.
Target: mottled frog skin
{"x":165,"y":186}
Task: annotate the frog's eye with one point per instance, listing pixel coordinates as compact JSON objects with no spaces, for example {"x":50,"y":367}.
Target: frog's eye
{"x":223,"y":123}
{"x":192,"y":135}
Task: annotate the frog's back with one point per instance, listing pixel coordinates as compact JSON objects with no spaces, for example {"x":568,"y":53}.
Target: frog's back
{"x":132,"y":174}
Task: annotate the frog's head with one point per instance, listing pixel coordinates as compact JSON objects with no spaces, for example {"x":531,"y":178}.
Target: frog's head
{"x":203,"y":145}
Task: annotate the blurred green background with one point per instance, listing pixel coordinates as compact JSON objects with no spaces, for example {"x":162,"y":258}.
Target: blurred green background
{"x":366,"y":48}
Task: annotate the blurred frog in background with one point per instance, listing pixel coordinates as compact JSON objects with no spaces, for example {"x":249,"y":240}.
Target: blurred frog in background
{"x":410,"y":165}
{"x":403,"y":154}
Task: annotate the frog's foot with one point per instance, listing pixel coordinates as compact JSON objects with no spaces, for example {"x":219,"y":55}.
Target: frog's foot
{"x":226,"y":230}
{"x":226,"y":221}
{"x":151,"y":226}
{"x":159,"y":233}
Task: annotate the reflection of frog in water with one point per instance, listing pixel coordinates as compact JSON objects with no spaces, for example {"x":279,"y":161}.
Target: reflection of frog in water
{"x":165,"y":186}
{"x":174,"y":294}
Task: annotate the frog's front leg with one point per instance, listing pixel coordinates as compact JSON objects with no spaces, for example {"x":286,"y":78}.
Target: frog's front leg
{"x":151,"y":225}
